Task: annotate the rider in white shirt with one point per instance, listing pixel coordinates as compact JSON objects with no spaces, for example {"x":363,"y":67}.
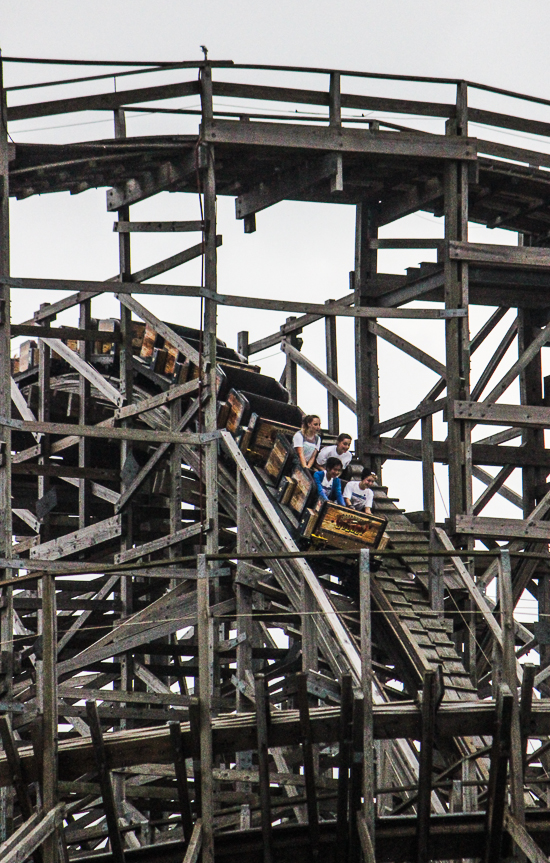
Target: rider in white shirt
{"x":340,"y":450}
{"x":359,"y":495}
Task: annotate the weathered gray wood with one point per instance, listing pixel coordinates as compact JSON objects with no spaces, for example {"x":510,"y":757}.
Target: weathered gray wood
{"x":158,"y":544}
{"x":195,"y":843}
{"x":320,"y":376}
{"x":285,"y":185}
{"x":494,"y":362}
{"x":331,"y":350}
{"x":160,"y":327}
{"x":503,"y":528}
{"x":175,"y":392}
{"x":99,"y":431}
{"x":471,"y":587}
{"x":238,"y":301}
{"x":78,"y":540}
{"x":179,"y":756}
{"x":429,"y":707}
{"x":262,"y":731}
{"x":497,"y":790}
{"x":408,"y":348}
{"x":522,"y":416}
{"x":338,"y":140}
{"x":105,"y":781}
{"x":367,"y":681}
{"x":523,"y":840}
{"x":426,"y":409}
{"x":489,"y":253}
{"x":507,"y":493}
{"x":205,"y":704}
{"x":86,"y":370}
{"x":30,"y":835}
{"x":309,"y":765}
{"x":344,"y":762}
{"x":494,"y":486}
{"x":124,"y":227}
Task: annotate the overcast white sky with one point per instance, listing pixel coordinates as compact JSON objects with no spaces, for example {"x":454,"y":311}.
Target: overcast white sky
{"x":299,"y":250}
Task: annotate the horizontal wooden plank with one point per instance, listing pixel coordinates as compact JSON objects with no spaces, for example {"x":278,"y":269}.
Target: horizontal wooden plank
{"x":320,"y":97}
{"x":488,"y":253}
{"x":78,"y":540}
{"x":154,"y":227}
{"x":163,"y":542}
{"x":424,"y":410}
{"x":156,"y":436}
{"x":38,"y":332}
{"x":521,"y":416}
{"x":102,"y":101}
{"x":485,"y":454}
{"x":233,"y":300}
{"x":502,"y":528}
{"x":339,"y":139}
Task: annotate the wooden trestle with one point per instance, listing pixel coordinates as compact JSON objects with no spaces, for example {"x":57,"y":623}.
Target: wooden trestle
{"x":181,"y":675}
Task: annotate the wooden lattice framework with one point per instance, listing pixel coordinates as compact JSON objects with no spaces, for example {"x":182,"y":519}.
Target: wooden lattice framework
{"x":114,"y":593}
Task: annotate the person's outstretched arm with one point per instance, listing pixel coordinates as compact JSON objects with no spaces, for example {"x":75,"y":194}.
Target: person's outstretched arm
{"x":338,"y":489}
{"x":318,"y":477}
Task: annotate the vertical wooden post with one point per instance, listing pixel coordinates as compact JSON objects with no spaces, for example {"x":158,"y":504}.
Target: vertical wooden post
{"x":210,"y":314}
{"x":84,"y":442}
{"x":497,"y":790}
{"x":529,"y":672}
{"x":457,"y":329}
{"x":310,"y":656}
{"x":290,"y":373}
{"x":530,"y":389}
{"x":429,"y":705}
{"x":332,"y":372}
{"x":509,"y":676}
{"x":366,"y":686}
{"x":205,"y":662}
{"x":105,"y":782}
{"x":126,"y":375}
{"x":49,"y":709}
{"x":242,"y":343}
{"x":309,"y":765}
{"x":335,"y":119}
{"x":366,"y":350}
{"x":245,"y":626}
{"x":262,"y":729}
{"x":178,"y":754}
{"x":344,"y":764}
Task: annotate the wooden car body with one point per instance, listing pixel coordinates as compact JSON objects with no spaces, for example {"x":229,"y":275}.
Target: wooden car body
{"x":346,"y":528}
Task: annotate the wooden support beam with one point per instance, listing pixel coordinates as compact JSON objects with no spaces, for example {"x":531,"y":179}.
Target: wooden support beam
{"x":356,"y":779}
{"x":48,"y":708}
{"x":235,"y":300}
{"x":494,"y":486}
{"x":331,"y":349}
{"x":158,"y":544}
{"x":26,"y":841}
{"x":179,"y":756}
{"x":367,"y":683}
{"x":405,"y":346}
{"x":520,"y":416}
{"x":425,"y":766}
{"x":126,"y":227}
{"x":309,"y":764}
{"x":286,"y":185}
{"x":426,"y":409}
{"x":78,"y":540}
{"x":523,"y":840}
{"x":195,"y":844}
{"x":100,"y":431}
{"x":19,"y":782}
{"x":164,"y":330}
{"x":498,"y":789}
{"x":318,"y":375}
{"x":344,"y":763}
{"x":159,"y":453}
{"x":365,"y":840}
{"x":262,"y":730}
{"x":204,"y":624}
{"x":525,"y":708}
{"x":523,"y":361}
{"x":503,"y":528}
{"x":471,"y":587}
{"x":85,"y":369}
{"x":175,"y":392}
{"x":507,"y":493}
{"x":105,"y":781}
{"x":338,"y":140}
{"x":487,"y":253}
{"x":495,"y":361}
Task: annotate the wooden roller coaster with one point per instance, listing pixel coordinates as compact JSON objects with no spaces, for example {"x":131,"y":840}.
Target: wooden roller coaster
{"x":195,"y":661}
